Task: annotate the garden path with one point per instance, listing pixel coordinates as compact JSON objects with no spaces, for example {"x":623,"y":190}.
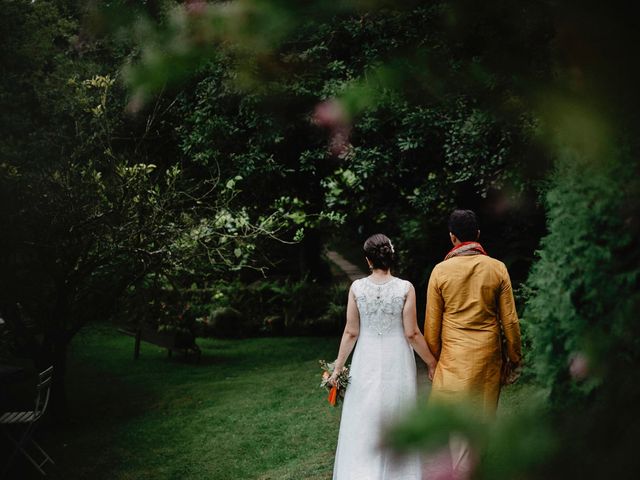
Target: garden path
{"x":352,"y":271}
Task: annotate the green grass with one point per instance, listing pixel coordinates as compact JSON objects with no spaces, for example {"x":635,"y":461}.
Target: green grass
{"x":251,"y":409}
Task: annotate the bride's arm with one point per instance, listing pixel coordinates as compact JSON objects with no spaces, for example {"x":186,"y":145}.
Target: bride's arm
{"x":350,"y":335}
{"x":413,"y":333}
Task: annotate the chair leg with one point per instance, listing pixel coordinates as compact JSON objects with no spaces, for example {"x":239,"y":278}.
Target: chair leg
{"x":19,"y":447}
{"x":47,"y":458}
{"x":25,"y":440}
{"x":37,"y":465}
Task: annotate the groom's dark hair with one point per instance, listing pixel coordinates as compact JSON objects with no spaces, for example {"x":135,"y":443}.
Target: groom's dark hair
{"x":464,"y":225}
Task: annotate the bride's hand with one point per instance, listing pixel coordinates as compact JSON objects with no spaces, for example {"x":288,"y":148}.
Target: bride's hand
{"x":431,"y":368}
{"x":333,"y":379}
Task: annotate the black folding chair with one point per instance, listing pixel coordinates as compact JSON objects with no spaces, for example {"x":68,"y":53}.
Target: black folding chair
{"x":24,"y":425}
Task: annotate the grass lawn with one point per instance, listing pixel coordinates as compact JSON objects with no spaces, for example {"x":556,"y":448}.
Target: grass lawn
{"x":251,"y":409}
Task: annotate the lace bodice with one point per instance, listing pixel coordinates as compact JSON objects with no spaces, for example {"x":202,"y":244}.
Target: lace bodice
{"x":380,"y":305}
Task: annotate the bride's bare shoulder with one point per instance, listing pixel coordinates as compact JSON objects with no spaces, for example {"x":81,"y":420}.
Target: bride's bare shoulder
{"x":355,"y":285}
{"x":408,"y":286}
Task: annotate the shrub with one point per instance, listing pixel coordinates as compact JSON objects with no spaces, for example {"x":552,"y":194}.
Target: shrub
{"x":226,"y":322}
{"x":581,"y":316}
{"x":583,"y":286}
{"x":273,"y":306}
{"x":334,"y":317}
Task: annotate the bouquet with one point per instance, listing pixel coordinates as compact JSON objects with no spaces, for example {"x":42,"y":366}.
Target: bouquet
{"x":335,"y":393}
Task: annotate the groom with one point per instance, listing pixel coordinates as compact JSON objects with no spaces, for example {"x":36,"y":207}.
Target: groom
{"x":471,"y":317}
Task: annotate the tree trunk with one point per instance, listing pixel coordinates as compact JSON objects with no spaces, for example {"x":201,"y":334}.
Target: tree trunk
{"x":311,"y":262}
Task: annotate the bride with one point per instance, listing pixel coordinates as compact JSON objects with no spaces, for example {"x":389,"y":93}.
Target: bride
{"x":381,"y":317}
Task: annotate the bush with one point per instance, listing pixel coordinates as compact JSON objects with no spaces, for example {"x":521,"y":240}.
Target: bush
{"x":280,"y":306}
{"x":225,"y":322}
{"x":581,"y":316}
{"x":583,"y":286}
{"x":334,"y":317}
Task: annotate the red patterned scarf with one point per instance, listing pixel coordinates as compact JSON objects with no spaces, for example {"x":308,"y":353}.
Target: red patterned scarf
{"x":465,"y":249}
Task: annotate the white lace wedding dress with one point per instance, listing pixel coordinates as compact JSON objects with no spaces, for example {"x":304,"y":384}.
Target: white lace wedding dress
{"x":382,"y":387}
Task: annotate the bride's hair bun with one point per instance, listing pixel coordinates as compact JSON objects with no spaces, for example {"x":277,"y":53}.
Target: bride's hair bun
{"x":380,"y":252}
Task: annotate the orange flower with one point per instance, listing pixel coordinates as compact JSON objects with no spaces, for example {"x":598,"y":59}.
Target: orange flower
{"x":333,"y":393}
{"x":325,"y":375}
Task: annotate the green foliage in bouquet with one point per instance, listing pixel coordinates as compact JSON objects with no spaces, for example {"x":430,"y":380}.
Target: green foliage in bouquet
{"x":337,"y":392}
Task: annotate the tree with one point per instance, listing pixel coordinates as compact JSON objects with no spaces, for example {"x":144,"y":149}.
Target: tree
{"x":404,"y":148}
{"x":94,"y":199}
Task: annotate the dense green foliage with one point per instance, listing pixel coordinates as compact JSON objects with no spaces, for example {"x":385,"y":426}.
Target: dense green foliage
{"x":582,"y":316}
{"x":584,"y":283}
{"x":413,"y":154}
{"x":98,"y":204}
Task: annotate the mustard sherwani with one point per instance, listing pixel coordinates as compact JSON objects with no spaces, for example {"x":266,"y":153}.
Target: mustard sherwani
{"x":466,"y":298}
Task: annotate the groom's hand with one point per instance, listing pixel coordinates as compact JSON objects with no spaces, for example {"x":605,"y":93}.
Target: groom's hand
{"x":514,"y":374}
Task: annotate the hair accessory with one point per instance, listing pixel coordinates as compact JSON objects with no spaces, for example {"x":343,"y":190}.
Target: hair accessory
{"x":391,"y":245}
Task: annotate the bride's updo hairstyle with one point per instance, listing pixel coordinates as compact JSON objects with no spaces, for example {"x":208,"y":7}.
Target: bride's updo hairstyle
{"x":379,"y":250}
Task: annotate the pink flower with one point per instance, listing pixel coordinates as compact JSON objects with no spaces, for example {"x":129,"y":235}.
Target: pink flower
{"x":196,"y":7}
{"x":441,"y":464}
{"x":339,"y":144}
{"x":330,"y":114}
{"x":579,"y":366}
{"x":135,"y":104}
